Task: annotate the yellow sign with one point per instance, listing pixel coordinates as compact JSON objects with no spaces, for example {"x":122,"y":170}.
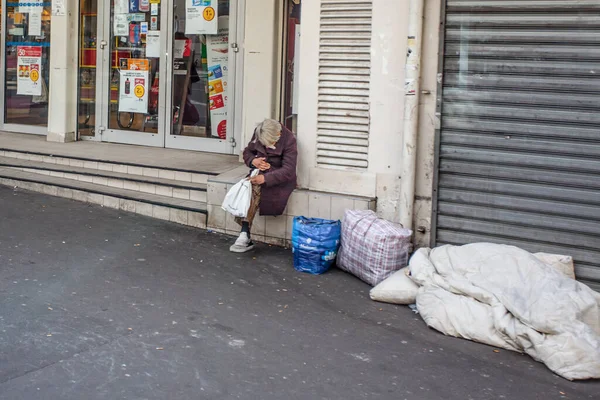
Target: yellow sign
{"x":215,"y":87}
{"x":138,"y":64}
{"x":35,"y":75}
{"x":209,"y":13}
{"x":139,"y":91}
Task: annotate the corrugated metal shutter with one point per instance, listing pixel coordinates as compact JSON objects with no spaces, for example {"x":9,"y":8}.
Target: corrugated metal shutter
{"x":520,"y":138}
{"x":344,"y":76}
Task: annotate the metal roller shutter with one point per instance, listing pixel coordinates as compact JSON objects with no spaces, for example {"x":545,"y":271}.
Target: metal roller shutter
{"x":344,"y":76}
{"x":519,"y":148}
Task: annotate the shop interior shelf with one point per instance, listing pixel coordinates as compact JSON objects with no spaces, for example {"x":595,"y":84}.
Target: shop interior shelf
{"x":136,"y":48}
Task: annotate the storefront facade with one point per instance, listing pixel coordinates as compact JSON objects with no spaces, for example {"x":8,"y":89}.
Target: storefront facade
{"x":464,"y":120}
{"x":131,"y":91}
{"x":337,"y":82}
{"x":25,"y":60}
{"x":144,"y":72}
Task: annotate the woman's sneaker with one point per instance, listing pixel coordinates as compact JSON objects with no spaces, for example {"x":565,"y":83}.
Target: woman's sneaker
{"x":242,"y":244}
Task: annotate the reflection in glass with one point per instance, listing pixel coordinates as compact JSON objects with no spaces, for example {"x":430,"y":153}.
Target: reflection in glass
{"x":87,"y":66}
{"x":27,"y":63}
{"x":134,"y":74}
{"x":200,"y":77}
{"x":291,"y":63}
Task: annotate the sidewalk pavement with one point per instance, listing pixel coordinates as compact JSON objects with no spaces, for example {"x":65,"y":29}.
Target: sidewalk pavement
{"x":101,"y":304}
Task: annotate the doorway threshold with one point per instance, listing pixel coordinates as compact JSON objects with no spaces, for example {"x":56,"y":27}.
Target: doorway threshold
{"x":132,"y":155}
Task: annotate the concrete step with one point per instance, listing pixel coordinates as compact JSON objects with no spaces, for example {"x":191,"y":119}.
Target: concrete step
{"x":186,"y":212}
{"x":122,"y":167}
{"x":163,"y":187}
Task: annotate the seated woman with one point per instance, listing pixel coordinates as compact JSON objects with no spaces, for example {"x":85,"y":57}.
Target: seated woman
{"x":273,"y":152}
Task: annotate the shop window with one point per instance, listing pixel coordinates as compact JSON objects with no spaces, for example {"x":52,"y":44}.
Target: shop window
{"x":27,"y":63}
{"x":200,"y":97}
{"x":199,"y":83}
{"x":291,"y":54}
{"x":130,"y":24}
{"x":88,"y":28}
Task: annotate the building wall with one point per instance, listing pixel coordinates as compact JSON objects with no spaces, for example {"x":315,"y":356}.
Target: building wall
{"x":428,"y":121}
{"x":388,"y":56}
{"x":260,"y":49}
{"x":62,"y":90}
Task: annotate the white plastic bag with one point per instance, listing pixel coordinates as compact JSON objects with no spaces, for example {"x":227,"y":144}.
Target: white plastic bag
{"x":397,"y":289}
{"x":238,"y":198}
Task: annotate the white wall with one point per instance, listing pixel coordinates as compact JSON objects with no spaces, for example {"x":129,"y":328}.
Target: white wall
{"x":260,"y":51}
{"x":62,"y":90}
{"x":307,"y":94}
{"x":388,"y":56}
{"x":428,"y":122}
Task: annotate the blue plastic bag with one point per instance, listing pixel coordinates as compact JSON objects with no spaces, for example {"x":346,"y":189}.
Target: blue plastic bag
{"x":315,"y":243}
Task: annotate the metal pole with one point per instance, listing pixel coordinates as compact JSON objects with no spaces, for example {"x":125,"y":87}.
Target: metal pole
{"x":411,"y":112}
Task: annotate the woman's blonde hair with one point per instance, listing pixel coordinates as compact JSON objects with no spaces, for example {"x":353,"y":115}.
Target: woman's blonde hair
{"x":268,"y":132}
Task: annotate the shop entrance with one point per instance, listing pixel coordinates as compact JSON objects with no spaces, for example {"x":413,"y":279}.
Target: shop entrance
{"x":164,"y":75}
{"x":24,"y":66}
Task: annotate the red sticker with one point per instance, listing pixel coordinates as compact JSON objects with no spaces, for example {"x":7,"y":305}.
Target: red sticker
{"x":222,"y":129}
{"x":216,"y":102}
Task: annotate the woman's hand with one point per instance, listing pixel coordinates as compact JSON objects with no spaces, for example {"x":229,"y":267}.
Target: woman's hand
{"x":258,"y":180}
{"x":261,"y":164}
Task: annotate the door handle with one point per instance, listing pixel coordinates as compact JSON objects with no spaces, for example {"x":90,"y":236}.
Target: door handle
{"x":103,"y":44}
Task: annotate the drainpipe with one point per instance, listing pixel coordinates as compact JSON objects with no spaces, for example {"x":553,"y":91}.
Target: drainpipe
{"x":412,"y":87}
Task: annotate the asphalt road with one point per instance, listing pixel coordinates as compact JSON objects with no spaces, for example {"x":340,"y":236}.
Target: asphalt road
{"x":101,"y":304}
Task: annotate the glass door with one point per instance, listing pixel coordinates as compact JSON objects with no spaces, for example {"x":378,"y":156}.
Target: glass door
{"x":88,"y":75}
{"x":2,"y":40}
{"x":163,"y":84}
{"x":202,"y":78}
{"x":133,"y":57}
{"x":25,"y":65}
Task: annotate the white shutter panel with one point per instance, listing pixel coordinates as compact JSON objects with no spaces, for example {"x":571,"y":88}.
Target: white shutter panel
{"x":344,"y":77}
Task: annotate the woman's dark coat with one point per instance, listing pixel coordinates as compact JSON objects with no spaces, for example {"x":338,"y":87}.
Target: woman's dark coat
{"x":280,"y":180}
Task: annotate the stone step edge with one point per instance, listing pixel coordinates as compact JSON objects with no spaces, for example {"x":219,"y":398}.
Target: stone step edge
{"x":201,"y":187}
{"x":167,"y":214}
{"x":84,"y":159}
{"x":98,"y":189}
{"x":183,"y":217}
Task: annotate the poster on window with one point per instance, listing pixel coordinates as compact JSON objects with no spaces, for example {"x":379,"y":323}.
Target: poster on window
{"x":29,"y":70}
{"x":121,"y":7}
{"x":59,"y":8}
{"x":30,"y":6}
{"x":201,"y":17}
{"x":153,"y":44}
{"x":133,"y":87}
{"x":35,"y":24}
{"x":217,"y":54}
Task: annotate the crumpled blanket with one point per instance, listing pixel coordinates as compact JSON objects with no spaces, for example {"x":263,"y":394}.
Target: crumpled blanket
{"x":506,"y":297}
